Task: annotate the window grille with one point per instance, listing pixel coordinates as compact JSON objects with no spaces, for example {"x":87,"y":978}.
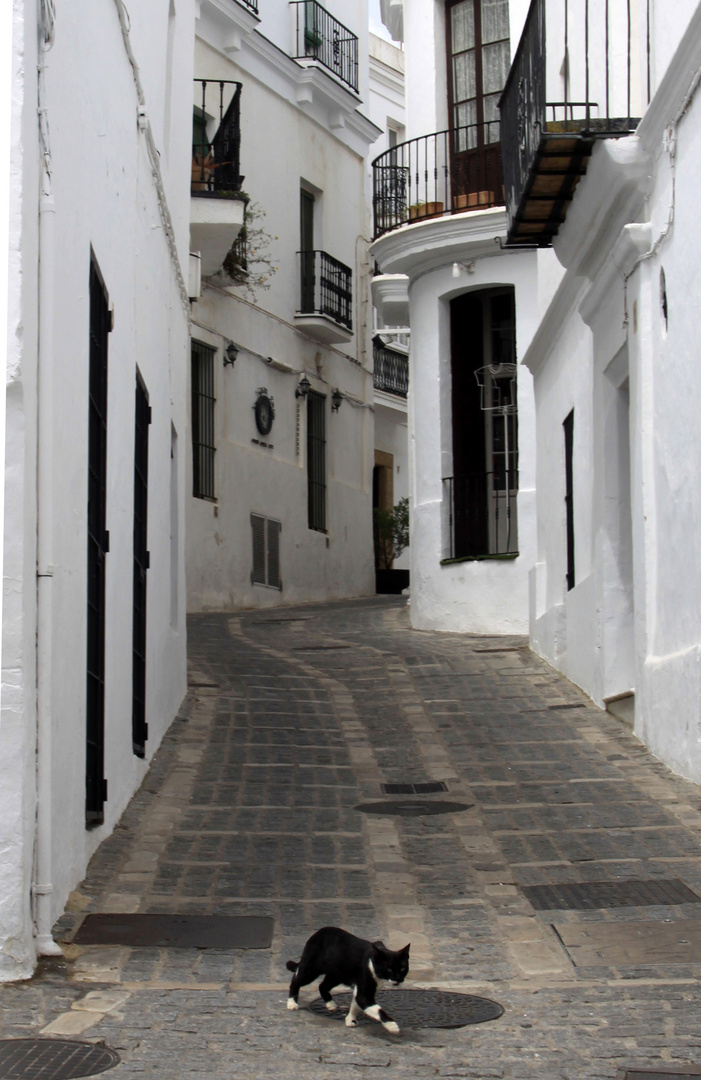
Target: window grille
{"x":142,"y":419}
{"x":316,"y":460}
{"x":265,"y":537}
{"x":98,"y":546}
{"x":203,"y":400}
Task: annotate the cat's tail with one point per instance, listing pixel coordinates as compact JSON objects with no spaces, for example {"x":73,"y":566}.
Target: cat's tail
{"x":291,"y":965}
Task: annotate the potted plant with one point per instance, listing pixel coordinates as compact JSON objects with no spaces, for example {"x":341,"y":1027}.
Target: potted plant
{"x":391,"y":537}
{"x":425,"y":209}
{"x":202,"y":168}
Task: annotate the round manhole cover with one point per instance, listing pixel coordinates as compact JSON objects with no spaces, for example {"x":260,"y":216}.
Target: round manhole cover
{"x":412,"y":807}
{"x":421,"y":1008}
{"x":53,"y":1059}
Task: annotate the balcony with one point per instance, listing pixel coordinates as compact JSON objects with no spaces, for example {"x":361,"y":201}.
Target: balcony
{"x":390,"y":371}
{"x":320,"y":37}
{"x":446,"y":173}
{"x":252,"y":5}
{"x":326,"y":297}
{"x":553,"y":112}
{"x":216,"y":205}
{"x":481,"y":515}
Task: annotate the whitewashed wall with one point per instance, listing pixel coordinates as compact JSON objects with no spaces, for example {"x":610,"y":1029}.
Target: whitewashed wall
{"x":293,"y":147}
{"x":105,"y":201}
{"x":608,"y":349}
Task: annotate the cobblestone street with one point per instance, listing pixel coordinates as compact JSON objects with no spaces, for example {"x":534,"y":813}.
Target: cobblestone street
{"x":295,"y":717}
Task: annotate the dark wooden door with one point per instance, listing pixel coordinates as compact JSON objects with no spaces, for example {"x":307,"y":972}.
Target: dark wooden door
{"x":306,"y":247}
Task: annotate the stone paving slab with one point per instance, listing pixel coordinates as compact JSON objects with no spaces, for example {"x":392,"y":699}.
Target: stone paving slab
{"x":294,"y":718}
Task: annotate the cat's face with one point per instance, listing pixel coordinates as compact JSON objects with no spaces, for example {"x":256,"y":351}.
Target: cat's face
{"x":391,"y":966}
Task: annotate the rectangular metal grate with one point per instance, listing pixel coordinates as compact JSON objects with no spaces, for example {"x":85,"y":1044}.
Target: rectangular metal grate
{"x":177,"y":931}
{"x":414,"y":789}
{"x":605,"y":894}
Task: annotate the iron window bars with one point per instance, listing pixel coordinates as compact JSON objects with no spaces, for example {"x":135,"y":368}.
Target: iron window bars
{"x":215,"y":160}
{"x":447,"y":172}
{"x":482,"y":513}
{"x":203,"y":401}
{"x":319,"y":36}
{"x":390,"y":370}
{"x":326,"y":287}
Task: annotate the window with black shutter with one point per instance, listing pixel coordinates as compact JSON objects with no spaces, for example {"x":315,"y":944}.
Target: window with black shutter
{"x":265,"y":537}
{"x":98,"y":546}
{"x":203,"y":401}
{"x":568,"y":428}
{"x":316,"y":460}
{"x":142,"y":419}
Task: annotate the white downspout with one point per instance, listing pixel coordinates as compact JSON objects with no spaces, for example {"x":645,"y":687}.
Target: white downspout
{"x":42,"y":887}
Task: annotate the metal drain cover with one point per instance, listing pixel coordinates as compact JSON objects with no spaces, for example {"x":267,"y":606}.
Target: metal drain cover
{"x":413,"y":808}
{"x":53,"y":1059}
{"x":430,"y":788}
{"x":177,"y":931}
{"x":420,"y":1008}
{"x":609,"y":894}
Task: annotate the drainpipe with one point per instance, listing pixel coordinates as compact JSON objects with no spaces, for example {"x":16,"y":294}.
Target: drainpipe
{"x":42,"y":887}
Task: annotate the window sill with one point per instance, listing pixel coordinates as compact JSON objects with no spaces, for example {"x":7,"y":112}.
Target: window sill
{"x":507,"y":557}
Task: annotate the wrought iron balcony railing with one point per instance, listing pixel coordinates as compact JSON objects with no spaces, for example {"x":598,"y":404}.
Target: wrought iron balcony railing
{"x":390,"y":370}
{"x":481,"y":514}
{"x":326,"y":287}
{"x":252,"y":5}
{"x":318,"y":36}
{"x":216,"y":138}
{"x":447,"y":172}
{"x":552,"y":114}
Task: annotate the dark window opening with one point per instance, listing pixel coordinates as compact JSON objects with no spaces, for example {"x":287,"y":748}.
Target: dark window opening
{"x":98,"y":546}
{"x":482,"y":492}
{"x":203,"y":401}
{"x":265,"y":537}
{"x":316,"y":460}
{"x":142,"y":419}
{"x":568,"y":427}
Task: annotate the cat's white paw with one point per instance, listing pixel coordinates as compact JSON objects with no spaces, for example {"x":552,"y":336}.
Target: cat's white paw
{"x":392,"y":1026}
{"x":292,"y":1004}
{"x":331,"y":1006}
{"x":351,"y":1021}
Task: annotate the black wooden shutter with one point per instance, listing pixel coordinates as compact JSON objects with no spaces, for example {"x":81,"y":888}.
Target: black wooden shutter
{"x":98,"y":546}
{"x":142,"y":419}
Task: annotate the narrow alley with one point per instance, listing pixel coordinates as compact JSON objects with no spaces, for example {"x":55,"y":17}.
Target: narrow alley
{"x":511,"y":780}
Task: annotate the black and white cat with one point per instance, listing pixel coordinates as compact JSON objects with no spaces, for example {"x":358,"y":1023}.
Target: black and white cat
{"x":346,"y":960}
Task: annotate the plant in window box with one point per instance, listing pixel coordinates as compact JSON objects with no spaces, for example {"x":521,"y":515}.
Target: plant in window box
{"x":391,"y":537}
{"x":249,"y":262}
{"x":425,"y":209}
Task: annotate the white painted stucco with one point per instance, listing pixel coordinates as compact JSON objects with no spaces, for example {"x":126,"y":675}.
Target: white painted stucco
{"x":303,"y":142}
{"x":101,"y":198}
{"x":607,"y":349}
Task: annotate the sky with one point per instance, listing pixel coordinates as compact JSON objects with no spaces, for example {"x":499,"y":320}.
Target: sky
{"x":376,"y":26}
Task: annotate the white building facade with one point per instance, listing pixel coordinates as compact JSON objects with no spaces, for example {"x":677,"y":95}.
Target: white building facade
{"x":280,"y":511}
{"x":94,"y":480}
{"x":615,"y":590}
{"x":473,"y":308}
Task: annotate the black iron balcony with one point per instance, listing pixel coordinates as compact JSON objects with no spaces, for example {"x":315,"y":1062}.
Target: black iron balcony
{"x":318,"y":36}
{"x":448,"y":172}
{"x":326,"y":288}
{"x":390,"y":371}
{"x":216,"y":139}
{"x":481,"y":514}
{"x":552,"y":114}
{"x":252,"y":5}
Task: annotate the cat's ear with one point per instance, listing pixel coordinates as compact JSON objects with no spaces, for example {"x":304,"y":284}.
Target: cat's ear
{"x":405,"y":950}
{"x":380,"y":945}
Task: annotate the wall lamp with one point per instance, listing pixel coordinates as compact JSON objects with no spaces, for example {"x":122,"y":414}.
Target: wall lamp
{"x":303,"y":387}
{"x":336,"y":400}
{"x":230,"y":354}
{"x":459,"y":268}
